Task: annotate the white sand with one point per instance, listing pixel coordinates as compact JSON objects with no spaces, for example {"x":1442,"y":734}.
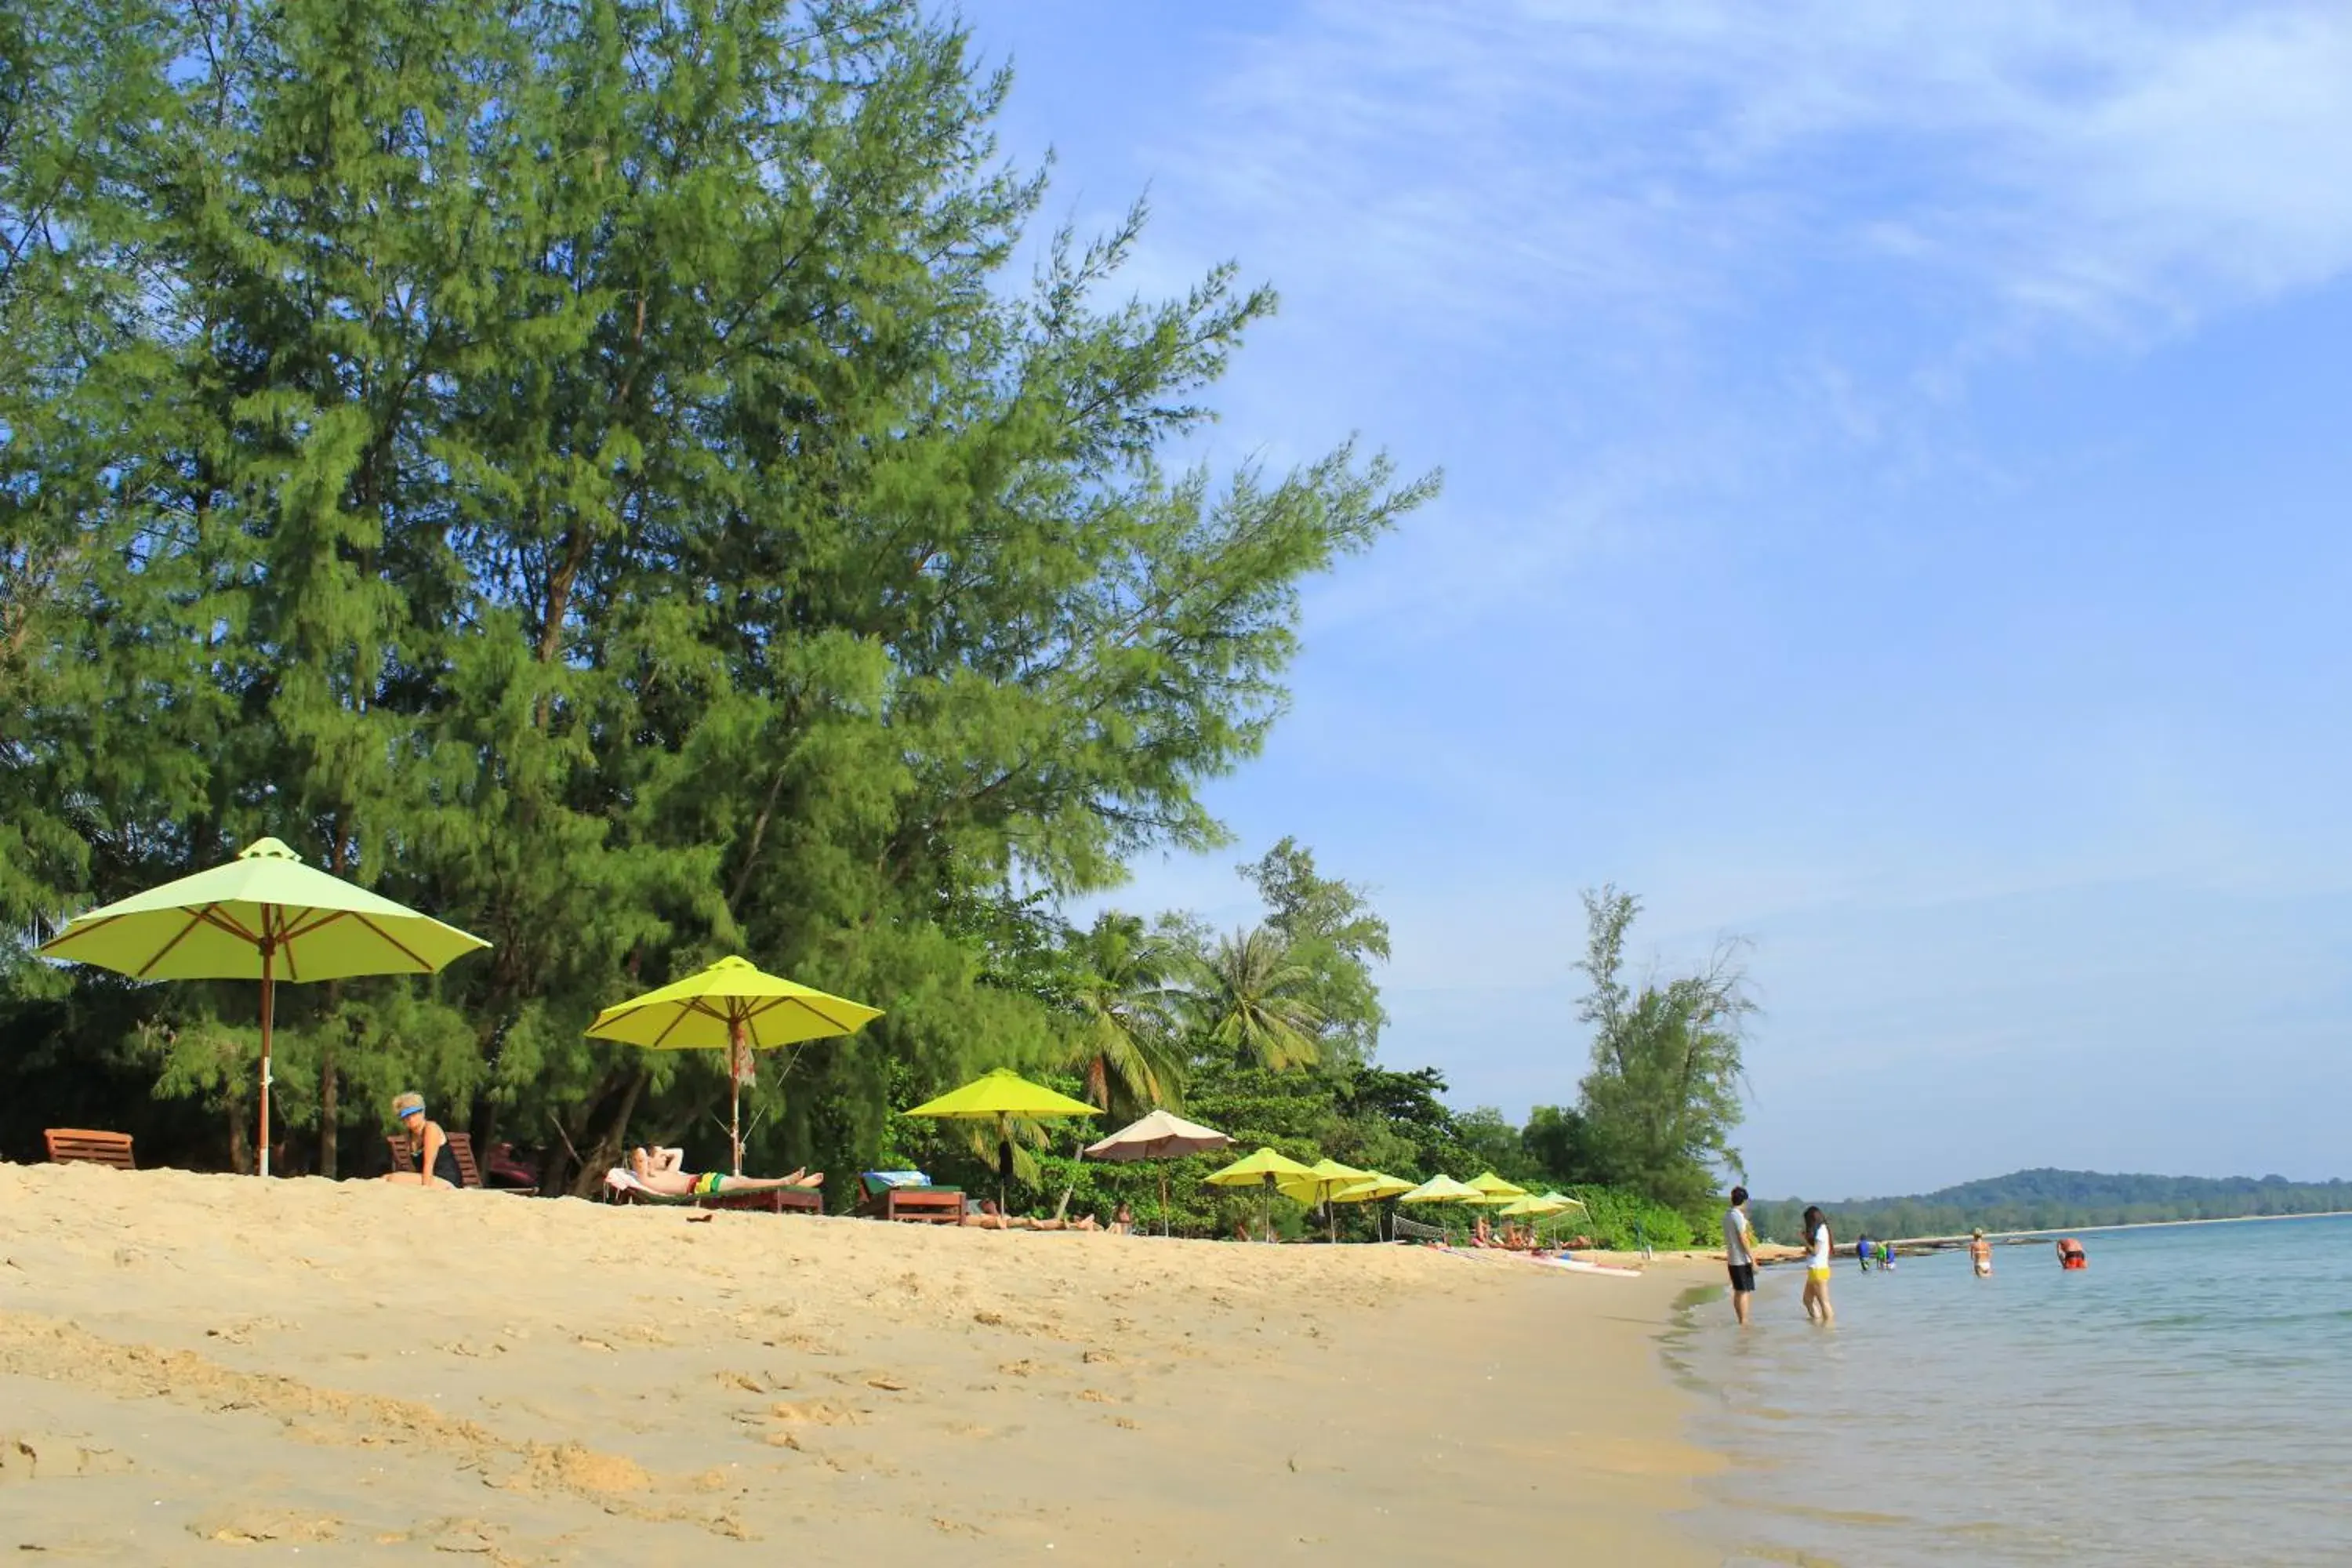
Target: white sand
{"x":209,"y":1369}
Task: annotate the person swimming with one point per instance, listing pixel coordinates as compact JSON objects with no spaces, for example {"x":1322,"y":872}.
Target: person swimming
{"x":2071,"y":1254}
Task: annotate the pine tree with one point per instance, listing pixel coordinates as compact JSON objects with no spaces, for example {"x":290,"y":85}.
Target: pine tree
{"x":595,"y":483}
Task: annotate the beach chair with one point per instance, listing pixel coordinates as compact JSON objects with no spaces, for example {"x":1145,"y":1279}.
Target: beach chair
{"x":461,"y":1145}
{"x":84,"y":1146}
{"x":909,"y":1196}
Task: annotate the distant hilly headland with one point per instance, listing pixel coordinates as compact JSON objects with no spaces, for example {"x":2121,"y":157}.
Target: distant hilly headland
{"x":2047,"y":1199}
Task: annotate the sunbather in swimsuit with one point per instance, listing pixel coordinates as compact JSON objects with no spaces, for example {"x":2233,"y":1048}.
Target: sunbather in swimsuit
{"x":669,"y":1182}
{"x":428,"y":1149}
{"x":991,"y":1218}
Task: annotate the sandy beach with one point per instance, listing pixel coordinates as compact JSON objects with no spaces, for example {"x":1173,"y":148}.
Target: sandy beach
{"x":199,"y":1368}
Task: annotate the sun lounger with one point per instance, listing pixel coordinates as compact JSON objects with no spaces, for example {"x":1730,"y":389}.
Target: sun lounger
{"x":622,"y":1186}
{"x":461,"y":1145}
{"x":909,"y":1196}
{"x":83,"y":1146}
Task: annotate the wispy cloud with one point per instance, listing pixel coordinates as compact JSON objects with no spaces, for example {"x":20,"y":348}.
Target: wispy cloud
{"x":2117,"y":167}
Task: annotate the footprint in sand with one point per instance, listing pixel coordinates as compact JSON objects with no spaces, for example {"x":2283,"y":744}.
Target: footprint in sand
{"x":38,"y":1456}
{"x":254,"y":1526}
{"x":815,"y":1413}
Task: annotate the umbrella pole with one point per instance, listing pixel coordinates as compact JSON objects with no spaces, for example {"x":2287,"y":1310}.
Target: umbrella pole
{"x":1163,"y":1200}
{"x":269,"y":987}
{"x":735,"y":1091}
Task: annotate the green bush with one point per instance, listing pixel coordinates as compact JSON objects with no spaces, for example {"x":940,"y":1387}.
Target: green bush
{"x":1620,"y":1221}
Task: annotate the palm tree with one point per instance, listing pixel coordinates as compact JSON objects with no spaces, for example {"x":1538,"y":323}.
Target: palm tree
{"x":1254,"y":1001}
{"x":1127,"y":1046}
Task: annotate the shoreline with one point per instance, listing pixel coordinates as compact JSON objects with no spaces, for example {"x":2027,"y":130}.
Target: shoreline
{"x":191,"y":1359}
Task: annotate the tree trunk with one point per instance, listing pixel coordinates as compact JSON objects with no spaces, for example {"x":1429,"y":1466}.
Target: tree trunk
{"x":606,"y":1151}
{"x":327,"y":1113}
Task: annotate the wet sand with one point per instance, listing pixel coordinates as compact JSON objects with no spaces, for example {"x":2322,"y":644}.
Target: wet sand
{"x":201,"y":1369}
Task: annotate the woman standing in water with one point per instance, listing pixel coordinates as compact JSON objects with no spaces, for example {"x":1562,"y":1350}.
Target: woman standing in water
{"x":1817,"y":1267}
{"x":1981,"y":1256}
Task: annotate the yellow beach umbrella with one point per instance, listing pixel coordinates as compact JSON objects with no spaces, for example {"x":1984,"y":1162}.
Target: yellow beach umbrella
{"x":1322,"y":1179}
{"x":1375,"y":1185}
{"x":999,"y":1097}
{"x":1440,"y":1190}
{"x":735,"y":1007}
{"x":264,"y":916}
{"x":1264,"y":1169}
{"x":1371,"y":1189}
{"x":1493,"y":1186}
{"x":1562,"y":1203}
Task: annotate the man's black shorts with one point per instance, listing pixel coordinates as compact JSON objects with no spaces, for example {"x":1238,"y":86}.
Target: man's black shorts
{"x":1743,"y":1279}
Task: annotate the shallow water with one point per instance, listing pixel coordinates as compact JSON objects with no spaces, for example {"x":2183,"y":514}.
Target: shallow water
{"x":2187,"y":1399}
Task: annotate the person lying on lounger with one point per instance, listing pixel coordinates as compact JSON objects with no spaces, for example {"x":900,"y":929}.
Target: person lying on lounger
{"x":664,"y":1177}
{"x":991,"y":1217}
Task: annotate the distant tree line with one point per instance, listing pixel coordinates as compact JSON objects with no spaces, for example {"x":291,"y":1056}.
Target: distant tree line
{"x":2049,"y":1199}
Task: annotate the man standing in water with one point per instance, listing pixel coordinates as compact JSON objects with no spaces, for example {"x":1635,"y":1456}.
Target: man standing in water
{"x":1739,"y":1251}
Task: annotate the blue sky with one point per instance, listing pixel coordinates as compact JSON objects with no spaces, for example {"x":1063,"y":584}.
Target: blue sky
{"x":1895,"y":511}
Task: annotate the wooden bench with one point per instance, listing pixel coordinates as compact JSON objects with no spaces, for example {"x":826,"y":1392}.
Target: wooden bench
{"x":461,"y":1145}
{"x":82,"y":1146}
{"x":934,"y":1206}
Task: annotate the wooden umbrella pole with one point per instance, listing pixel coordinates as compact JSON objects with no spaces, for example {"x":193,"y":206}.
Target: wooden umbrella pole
{"x":735,"y":1090}
{"x":268,"y":988}
{"x":1163,"y":1200}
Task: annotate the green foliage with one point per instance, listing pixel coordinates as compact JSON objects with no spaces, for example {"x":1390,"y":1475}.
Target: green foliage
{"x":1126,"y":1039}
{"x":2053,"y":1200}
{"x":1661,"y":1101}
{"x":1329,"y":929}
{"x":583,"y":472}
{"x":1623,"y":1221}
{"x":1255,"y":1000}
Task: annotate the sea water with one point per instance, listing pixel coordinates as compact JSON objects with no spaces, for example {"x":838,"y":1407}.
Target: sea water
{"x":2186,"y":1399}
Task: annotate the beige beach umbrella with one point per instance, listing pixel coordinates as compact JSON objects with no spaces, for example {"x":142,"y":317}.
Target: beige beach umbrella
{"x":1162,"y":1135}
